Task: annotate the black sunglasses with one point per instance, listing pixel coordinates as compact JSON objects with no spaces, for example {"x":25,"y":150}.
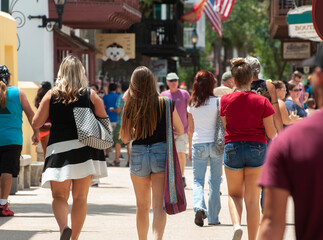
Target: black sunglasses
{"x":172,"y":80}
{"x":297,"y":90}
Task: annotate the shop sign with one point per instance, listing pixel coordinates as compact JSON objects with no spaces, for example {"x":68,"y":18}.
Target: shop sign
{"x":159,"y":67}
{"x":318,"y":17}
{"x":115,"y":47}
{"x":300,"y":24}
{"x":292,"y":50}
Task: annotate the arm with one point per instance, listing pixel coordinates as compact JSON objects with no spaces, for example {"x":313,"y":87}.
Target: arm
{"x":273,"y":221}
{"x":274,"y":101}
{"x":190,"y":135}
{"x":177,"y":123}
{"x":287,"y":119}
{"x":269,"y":126}
{"x":224,"y":122}
{"x":125,"y":137}
{"x":117,"y":110}
{"x":99,"y":110}
{"x":30,"y":114}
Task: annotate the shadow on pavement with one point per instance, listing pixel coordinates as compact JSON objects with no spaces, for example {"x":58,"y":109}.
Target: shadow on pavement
{"x":21,"y":234}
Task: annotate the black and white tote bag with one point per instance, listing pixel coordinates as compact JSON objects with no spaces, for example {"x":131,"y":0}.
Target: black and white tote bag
{"x":92,"y":131}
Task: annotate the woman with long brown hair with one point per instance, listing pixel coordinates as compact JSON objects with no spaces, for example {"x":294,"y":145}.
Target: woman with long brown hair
{"x":69,"y":164}
{"x":247,"y":118}
{"x":144,"y":122}
{"x":202,"y":113}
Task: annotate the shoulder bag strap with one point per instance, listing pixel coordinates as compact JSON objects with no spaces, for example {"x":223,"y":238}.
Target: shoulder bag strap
{"x":170,"y":151}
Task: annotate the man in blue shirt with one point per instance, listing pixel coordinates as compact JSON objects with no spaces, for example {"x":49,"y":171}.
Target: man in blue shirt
{"x":110,"y":101}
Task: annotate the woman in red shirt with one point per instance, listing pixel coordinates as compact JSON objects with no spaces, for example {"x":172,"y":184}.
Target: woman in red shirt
{"x":247,"y":117}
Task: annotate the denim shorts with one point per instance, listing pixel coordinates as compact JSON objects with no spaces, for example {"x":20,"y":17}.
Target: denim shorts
{"x":148,"y":159}
{"x":239,"y":155}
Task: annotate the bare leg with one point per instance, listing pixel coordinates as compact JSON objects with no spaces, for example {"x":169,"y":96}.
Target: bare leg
{"x":235,"y":191}
{"x":6,"y":182}
{"x":60,"y":193}
{"x":117,"y":147}
{"x":44,"y":144}
{"x":143,"y":198}
{"x":80,"y":189}
{"x":251,"y":197}
{"x":159,"y":220}
{"x":182,"y":161}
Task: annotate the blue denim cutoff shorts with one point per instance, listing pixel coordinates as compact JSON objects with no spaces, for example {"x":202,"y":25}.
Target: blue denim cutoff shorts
{"x":239,"y":155}
{"x":148,"y":159}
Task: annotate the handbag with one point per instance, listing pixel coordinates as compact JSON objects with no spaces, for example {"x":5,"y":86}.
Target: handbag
{"x":174,"y":194}
{"x":219,"y":131}
{"x":92,"y":131}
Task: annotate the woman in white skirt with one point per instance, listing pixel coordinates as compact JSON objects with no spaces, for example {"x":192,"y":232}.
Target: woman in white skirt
{"x":69,"y":164}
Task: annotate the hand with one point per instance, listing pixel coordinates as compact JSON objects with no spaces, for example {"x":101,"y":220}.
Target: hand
{"x":35,"y":138}
{"x":111,"y":109}
{"x":190,"y":155}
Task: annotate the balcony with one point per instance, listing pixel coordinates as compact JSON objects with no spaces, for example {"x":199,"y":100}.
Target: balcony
{"x":99,"y":14}
{"x":278,"y":27}
{"x":161,"y":33}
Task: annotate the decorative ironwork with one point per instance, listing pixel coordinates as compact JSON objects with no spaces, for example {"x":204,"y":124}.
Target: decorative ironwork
{"x":17,"y":15}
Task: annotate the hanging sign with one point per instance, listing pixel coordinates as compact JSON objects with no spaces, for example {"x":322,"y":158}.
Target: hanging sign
{"x":120,"y":46}
{"x":317,"y":17}
{"x":300,"y":24}
{"x":159,"y":67}
{"x":296,"y":50}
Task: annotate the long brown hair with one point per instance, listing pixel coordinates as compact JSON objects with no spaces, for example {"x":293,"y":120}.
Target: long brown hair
{"x":139,"y":117}
{"x":3,"y":94}
{"x":203,"y":85}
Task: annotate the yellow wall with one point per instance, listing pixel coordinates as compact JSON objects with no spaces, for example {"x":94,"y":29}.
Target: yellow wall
{"x":30,"y":89}
{"x":8,"y":45}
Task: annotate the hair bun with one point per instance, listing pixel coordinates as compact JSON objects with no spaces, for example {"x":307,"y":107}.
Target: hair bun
{"x":237,"y":61}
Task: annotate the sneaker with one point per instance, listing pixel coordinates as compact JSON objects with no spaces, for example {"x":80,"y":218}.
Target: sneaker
{"x":237,"y":233}
{"x":5,"y":211}
{"x":184,"y":182}
{"x":121,"y":157}
{"x":199,"y":218}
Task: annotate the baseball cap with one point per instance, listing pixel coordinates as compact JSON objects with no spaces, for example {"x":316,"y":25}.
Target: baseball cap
{"x":226,"y":76}
{"x":4,"y":74}
{"x":319,"y":57}
{"x":171,"y":76}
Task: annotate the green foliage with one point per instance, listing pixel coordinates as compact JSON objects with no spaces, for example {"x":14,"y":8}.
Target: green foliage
{"x":247,"y":30}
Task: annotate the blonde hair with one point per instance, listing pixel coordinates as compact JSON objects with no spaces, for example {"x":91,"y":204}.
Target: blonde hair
{"x":241,"y":71}
{"x":3,"y":94}
{"x":139,"y":117}
{"x":71,"y":81}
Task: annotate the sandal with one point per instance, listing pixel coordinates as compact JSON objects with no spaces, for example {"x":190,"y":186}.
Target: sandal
{"x":66,"y":234}
{"x":114,"y":164}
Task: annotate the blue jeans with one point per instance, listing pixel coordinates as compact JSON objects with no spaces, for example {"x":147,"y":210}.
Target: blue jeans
{"x":148,"y":159}
{"x":201,"y":154}
{"x":239,"y":155}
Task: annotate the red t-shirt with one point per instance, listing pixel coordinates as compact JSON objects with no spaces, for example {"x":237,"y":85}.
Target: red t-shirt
{"x":294,"y":162}
{"x":244,"y":112}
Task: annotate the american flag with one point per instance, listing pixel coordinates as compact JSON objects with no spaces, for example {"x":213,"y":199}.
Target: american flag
{"x":211,"y":11}
{"x":215,"y":10}
{"x":225,"y":7}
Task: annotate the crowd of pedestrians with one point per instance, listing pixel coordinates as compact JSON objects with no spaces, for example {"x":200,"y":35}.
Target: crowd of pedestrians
{"x":254,"y":113}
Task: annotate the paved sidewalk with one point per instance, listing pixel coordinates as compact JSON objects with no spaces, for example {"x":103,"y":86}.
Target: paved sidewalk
{"x":112,"y":214}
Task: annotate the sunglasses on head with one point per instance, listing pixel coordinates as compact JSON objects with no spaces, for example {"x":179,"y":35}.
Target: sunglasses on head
{"x":172,"y":80}
{"x":297,"y":90}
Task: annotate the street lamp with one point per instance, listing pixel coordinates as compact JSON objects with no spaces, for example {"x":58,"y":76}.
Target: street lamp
{"x":194,"y":39}
{"x":59,"y":6}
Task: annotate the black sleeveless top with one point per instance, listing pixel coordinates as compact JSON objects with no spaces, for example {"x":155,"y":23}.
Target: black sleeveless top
{"x":159,"y":134}
{"x":62,"y":118}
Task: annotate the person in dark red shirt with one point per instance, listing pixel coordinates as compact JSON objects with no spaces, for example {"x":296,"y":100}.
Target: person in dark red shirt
{"x":247,"y":117}
{"x":293,"y":167}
